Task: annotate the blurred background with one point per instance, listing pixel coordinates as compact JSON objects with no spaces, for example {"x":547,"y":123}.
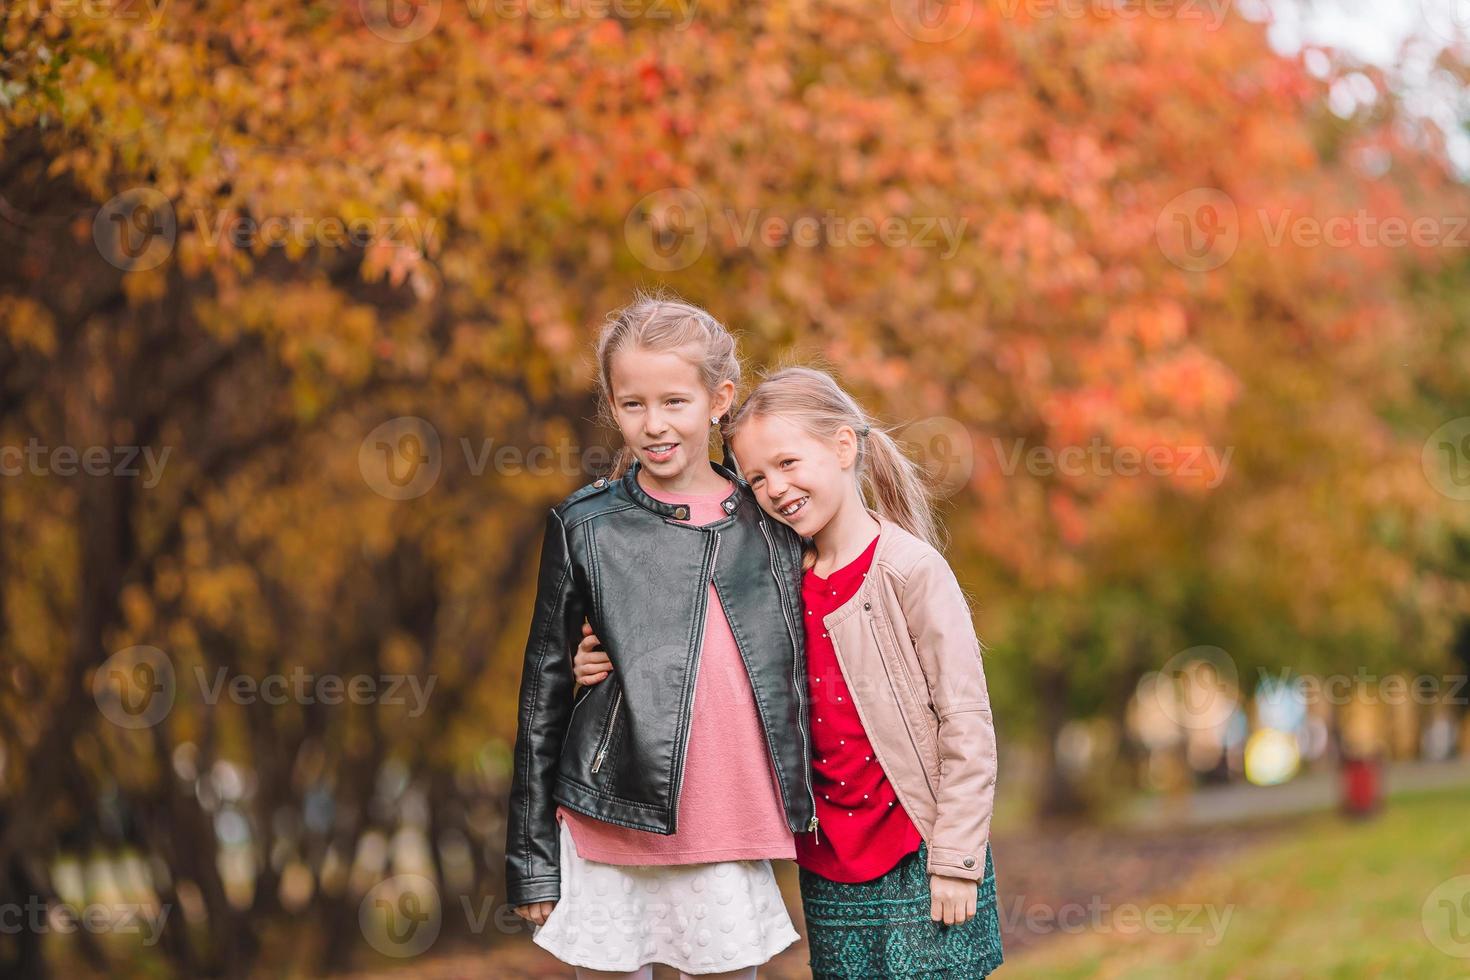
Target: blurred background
{"x":1170,"y":298}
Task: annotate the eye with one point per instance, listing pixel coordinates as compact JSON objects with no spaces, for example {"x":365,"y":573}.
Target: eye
{"x":677,"y":401}
{"x":630,"y":404}
{"x":754,"y":480}
{"x":785,"y":461}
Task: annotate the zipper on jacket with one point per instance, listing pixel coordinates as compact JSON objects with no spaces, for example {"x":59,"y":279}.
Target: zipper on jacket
{"x":798,"y":683}
{"x":698,"y":649}
{"x":612,"y":719}
{"x":908,"y":727}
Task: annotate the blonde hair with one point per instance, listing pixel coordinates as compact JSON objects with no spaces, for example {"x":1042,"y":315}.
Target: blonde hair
{"x":662,"y":322}
{"x":892,"y":483}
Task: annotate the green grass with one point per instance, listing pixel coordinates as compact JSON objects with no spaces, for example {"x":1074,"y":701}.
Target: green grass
{"x":1336,"y":899}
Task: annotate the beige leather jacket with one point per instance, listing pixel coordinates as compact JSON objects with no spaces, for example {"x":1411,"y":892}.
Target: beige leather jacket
{"x":909,"y":654}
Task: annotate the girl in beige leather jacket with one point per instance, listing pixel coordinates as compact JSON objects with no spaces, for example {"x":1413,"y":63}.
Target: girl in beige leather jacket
{"x":898,"y":880}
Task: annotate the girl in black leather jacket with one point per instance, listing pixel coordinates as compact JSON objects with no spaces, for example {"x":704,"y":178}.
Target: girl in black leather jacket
{"x":644,"y":811}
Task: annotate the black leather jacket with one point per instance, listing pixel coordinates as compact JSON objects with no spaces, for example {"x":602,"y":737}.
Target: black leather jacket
{"x":615,"y":555}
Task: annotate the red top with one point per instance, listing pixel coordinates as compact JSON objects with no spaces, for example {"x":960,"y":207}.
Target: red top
{"x":863,"y":831}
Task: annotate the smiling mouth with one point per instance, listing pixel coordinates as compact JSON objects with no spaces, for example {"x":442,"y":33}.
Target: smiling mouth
{"x":661,"y":451}
{"x":790,"y":509}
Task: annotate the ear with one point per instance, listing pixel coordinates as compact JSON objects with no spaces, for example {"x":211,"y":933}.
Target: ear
{"x":724,"y":398}
{"x":847,"y":446}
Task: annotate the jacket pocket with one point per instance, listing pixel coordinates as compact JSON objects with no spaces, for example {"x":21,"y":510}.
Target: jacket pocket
{"x":605,"y":742}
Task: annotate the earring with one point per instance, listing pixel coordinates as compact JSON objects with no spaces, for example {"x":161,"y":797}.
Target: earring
{"x":714,"y":420}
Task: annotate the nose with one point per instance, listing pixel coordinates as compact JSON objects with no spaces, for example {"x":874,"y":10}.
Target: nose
{"x":653,"y":423}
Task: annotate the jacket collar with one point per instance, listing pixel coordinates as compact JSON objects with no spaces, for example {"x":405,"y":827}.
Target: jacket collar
{"x":680,"y":511}
{"x":891,"y":537}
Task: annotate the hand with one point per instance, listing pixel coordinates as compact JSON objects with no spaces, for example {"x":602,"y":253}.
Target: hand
{"x":536,"y":912}
{"x":952,"y":900}
{"x":591,"y":665}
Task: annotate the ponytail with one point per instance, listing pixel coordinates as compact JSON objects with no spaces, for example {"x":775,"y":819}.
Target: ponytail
{"x":896,"y":486}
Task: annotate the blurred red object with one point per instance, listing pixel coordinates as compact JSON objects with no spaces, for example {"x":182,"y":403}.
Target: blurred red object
{"x":1362,"y":786}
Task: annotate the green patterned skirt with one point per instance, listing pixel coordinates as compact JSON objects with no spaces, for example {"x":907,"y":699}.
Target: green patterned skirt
{"x":881,"y":928}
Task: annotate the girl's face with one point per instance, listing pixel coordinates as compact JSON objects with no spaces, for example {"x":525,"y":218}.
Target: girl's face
{"x":663,"y":410}
{"x":798,"y":479}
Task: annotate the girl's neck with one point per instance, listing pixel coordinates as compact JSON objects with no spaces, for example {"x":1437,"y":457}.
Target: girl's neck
{"x":846,"y":536}
{"x":700,"y":478}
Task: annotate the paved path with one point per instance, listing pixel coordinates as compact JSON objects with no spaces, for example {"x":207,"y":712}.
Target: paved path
{"x":1310,"y":792}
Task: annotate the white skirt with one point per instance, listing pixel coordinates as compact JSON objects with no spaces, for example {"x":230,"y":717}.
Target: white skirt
{"x":699,"y":918}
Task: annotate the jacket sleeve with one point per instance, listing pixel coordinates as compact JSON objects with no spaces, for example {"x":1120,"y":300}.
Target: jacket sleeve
{"x":532,"y":857}
{"x":939,"y":621}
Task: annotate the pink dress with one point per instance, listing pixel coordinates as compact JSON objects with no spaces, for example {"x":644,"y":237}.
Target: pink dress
{"x":730,"y":803}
